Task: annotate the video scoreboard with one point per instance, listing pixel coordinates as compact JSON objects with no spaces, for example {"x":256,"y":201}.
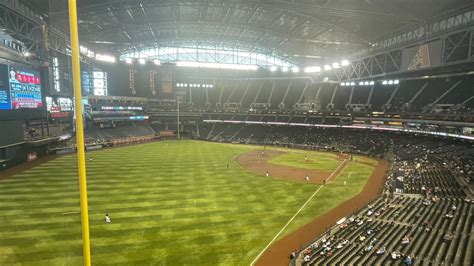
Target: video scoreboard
{"x":20,"y":88}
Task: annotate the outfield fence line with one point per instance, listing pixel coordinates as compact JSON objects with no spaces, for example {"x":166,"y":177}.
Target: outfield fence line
{"x":296,"y":214}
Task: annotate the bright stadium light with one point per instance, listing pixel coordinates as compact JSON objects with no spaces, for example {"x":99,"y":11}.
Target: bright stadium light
{"x":343,"y":84}
{"x":390,"y":82}
{"x":273,"y":68}
{"x":141,"y":61}
{"x":295,"y":69}
{"x":396,"y":82}
{"x":345,"y":62}
{"x":372,"y":82}
{"x":327,"y":67}
{"x":105,"y":58}
{"x":128,"y":60}
{"x":336,"y":65}
{"x":216,"y":65}
{"x":284,"y":69}
{"x":157,"y":62}
{"x":384,"y":82}
{"x":361,"y":83}
{"x":185,"y":84}
{"x":212,"y":86}
{"x":366,"y":83}
{"x":353,"y":83}
{"x":314,"y":69}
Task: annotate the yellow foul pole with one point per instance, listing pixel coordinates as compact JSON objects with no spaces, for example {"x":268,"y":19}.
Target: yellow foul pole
{"x":81,"y":160}
{"x":177,"y":115}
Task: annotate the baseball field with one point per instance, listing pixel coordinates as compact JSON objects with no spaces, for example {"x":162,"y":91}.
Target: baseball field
{"x":170,"y":202}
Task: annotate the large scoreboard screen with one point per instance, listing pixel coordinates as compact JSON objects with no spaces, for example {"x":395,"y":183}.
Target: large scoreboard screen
{"x":19,"y":88}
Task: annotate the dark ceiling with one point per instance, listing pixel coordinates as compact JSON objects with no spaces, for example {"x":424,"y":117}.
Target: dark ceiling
{"x":306,"y":28}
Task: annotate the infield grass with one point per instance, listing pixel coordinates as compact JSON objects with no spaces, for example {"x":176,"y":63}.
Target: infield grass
{"x":171,"y":203}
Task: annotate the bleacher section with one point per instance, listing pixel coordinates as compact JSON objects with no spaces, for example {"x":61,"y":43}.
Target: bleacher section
{"x":435,"y":95}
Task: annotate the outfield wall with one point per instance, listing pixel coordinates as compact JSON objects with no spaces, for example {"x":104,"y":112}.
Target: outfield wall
{"x":13,"y":155}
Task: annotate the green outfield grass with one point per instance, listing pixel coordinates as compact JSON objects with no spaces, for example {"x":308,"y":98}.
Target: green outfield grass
{"x":315,"y":160}
{"x":171,"y":203}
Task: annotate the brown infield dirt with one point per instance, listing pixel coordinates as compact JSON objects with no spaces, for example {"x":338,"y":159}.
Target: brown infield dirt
{"x":278,"y":253}
{"x":258,"y":163}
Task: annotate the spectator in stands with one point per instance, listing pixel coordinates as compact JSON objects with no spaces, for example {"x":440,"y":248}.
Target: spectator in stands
{"x":380,"y":251}
{"x":307,"y":258}
{"x":368,"y":248}
{"x":395,"y":255}
{"x":427,"y":225}
{"x":408,"y":260}
{"x":449,"y":215}
{"x":293,"y":254}
{"x":406,"y":240}
{"x":448,"y":237}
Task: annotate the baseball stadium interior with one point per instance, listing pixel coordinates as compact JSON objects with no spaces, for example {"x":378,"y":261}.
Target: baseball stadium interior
{"x":301,"y":95}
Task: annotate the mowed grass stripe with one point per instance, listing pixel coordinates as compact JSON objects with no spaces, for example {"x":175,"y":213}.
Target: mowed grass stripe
{"x":134,"y":221}
{"x":171,"y":203}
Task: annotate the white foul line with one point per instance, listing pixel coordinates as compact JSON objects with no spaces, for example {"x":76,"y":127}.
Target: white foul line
{"x":294,"y":216}
{"x":69,"y":212}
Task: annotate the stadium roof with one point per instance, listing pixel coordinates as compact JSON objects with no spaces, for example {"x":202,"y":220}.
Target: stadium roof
{"x":299,"y":30}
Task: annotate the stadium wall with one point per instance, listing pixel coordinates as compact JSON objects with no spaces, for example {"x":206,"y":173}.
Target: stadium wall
{"x":14,"y":155}
{"x":11,"y":132}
